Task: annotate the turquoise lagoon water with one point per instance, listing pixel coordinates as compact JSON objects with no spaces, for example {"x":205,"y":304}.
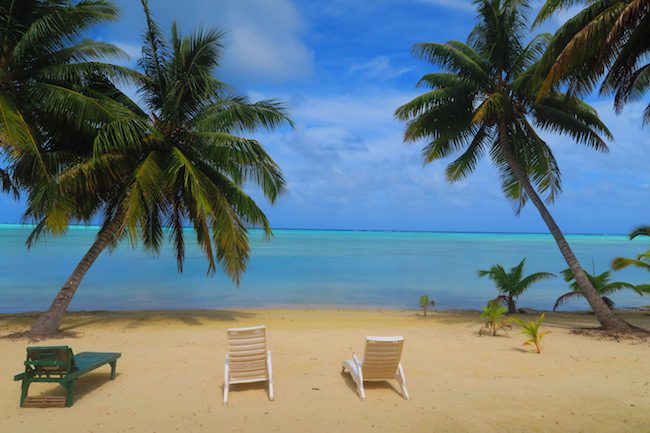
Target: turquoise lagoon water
{"x":303,"y":268}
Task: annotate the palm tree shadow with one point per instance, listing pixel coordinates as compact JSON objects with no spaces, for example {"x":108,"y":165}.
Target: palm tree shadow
{"x":137,"y":319}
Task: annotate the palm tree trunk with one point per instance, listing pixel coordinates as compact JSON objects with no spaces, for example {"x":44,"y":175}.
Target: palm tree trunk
{"x":512,"y":308}
{"x":48,"y":323}
{"x":605,"y":316}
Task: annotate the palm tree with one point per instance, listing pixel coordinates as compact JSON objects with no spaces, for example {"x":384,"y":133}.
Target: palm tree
{"x":178,"y":161}
{"x":46,"y":68}
{"x":601,"y":282}
{"x":642,"y":260}
{"x":425,"y":303}
{"x":511,"y":284}
{"x":640,"y":231}
{"x":607,"y":39}
{"x":484,"y":101}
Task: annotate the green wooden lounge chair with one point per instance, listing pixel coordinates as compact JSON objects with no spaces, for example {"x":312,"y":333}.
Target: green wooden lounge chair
{"x":57,"y":364}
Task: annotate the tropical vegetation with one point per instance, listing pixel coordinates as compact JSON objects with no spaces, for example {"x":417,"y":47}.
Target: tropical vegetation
{"x":606,"y":42}
{"x":511,"y":284}
{"x":602,"y":283}
{"x":495,"y":318}
{"x":181,"y":159}
{"x":51,"y":77}
{"x":484,"y":101}
{"x":532,"y":329}
{"x":641,"y":260}
{"x":425,"y":303}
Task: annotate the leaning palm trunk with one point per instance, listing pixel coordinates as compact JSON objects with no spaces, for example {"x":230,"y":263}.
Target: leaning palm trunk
{"x":48,"y":323}
{"x":605,"y":316}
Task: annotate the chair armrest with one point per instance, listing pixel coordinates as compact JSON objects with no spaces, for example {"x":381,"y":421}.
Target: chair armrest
{"x":20,"y":376}
{"x":358,"y":365}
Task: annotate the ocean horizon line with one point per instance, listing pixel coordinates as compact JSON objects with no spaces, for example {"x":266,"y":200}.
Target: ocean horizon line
{"x":318,"y":307}
{"x":96,"y":227}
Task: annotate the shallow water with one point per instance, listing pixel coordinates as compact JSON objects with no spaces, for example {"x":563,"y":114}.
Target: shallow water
{"x":305,"y":268}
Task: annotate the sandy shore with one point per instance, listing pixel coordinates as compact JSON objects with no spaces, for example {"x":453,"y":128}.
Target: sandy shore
{"x":170,"y":376}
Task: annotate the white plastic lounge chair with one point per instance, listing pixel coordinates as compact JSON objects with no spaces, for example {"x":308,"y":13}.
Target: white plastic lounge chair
{"x":381,"y":362}
{"x":247,"y":360}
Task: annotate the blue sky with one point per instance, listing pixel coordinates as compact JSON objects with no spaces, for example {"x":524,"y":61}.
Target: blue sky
{"x":343,"y":67}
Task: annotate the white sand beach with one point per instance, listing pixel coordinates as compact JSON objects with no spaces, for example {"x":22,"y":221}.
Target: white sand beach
{"x":170,"y":376}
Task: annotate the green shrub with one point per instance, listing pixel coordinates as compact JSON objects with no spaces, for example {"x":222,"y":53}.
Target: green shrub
{"x":495,"y":318}
{"x":532,"y":331}
{"x":425,"y":303}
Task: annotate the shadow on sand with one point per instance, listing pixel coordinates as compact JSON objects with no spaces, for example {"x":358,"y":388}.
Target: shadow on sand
{"x":75,"y":322}
{"x":86,"y":384}
{"x":369,"y":386}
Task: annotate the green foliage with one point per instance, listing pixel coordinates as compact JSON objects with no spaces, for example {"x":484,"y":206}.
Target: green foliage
{"x":511,"y":284}
{"x":604,"y":43}
{"x":51,"y":77}
{"x":425,"y":303}
{"x":532,"y":330}
{"x":183,"y":158}
{"x":483,"y":103}
{"x":495,"y":318}
{"x":603,"y":285}
{"x":642,"y":260}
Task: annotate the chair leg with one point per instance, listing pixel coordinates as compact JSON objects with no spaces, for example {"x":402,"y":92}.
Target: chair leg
{"x":361,"y":390}
{"x":402,"y":381}
{"x":70,"y":386}
{"x":354,"y":373}
{"x":357,"y":379}
{"x":24,"y":389}
{"x":226,"y":382}
{"x":269,"y":366}
{"x":113,"y":369}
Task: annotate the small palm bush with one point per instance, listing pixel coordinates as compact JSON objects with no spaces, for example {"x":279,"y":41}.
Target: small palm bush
{"x":532,"y":331}
{"x":425,"y":303}
{"x":511,"y":284}
{"x":495,"y":318}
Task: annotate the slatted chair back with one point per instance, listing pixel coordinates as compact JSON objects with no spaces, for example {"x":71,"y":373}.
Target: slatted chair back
{"x":46,"y":361}
{"x":247,"y":356}
{"x":382,"y":357}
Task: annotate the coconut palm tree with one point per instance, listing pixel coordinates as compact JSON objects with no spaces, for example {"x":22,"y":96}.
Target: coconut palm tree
{"x":642,"y":260}
{"x":511,"y":284}
{"x":601,"y":282}
{"x":46,"y":69}
{"x":609,"y":40}
{"x":483,"y":101}
{"x":179,"y":160}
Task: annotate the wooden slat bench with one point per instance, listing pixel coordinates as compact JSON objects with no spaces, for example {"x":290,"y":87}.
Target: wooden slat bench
{"x":57,"y":364}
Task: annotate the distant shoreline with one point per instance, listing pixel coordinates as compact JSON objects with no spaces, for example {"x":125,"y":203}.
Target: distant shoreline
{"x":307,"y":308}
{"x":96,"y":227}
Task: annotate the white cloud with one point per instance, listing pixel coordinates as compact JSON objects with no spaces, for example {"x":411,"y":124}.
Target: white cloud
{"x":380,"y":67}
{"x":263,"y":42}
{"x":463,"y":5}
{"x":132,"y":50}
{"x":347,"y":157}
